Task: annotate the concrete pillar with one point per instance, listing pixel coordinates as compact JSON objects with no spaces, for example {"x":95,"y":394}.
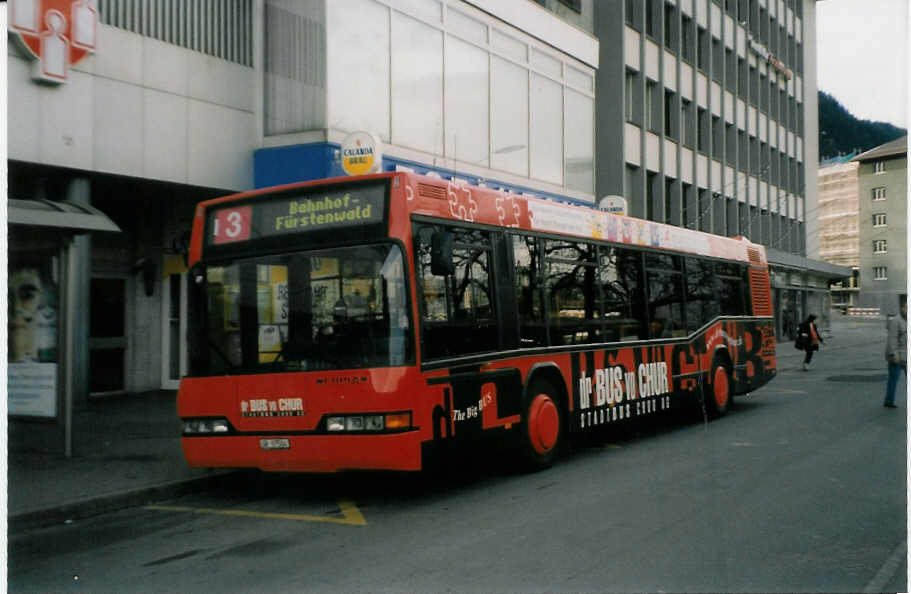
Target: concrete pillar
{"x":79,"y":190}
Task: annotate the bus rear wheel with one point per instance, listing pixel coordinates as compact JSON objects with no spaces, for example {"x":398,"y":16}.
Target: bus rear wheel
{"x":718,"y":394}
{"x":542,"y":427}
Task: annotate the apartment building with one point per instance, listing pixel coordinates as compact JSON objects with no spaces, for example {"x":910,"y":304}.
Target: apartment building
{"x":883,"y":221}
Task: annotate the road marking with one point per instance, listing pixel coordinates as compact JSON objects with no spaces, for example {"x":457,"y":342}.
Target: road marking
{"x":887,"y":571}
{"x":351,"y":515}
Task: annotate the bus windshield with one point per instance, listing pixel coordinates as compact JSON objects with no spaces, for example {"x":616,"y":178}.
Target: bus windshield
{"x":328,"y":309}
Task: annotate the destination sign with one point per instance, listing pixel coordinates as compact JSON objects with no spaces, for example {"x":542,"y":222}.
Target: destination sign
{"x":305,"y":212}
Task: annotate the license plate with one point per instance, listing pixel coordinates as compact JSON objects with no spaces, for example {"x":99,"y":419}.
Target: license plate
{"x":275,"y":444}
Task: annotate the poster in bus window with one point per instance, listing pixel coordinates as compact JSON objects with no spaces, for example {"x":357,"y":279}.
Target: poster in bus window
{"x":32,"y":302}
{"x":280,"y":303}
{"x":264,"y":304}
{"x":270,"y":339}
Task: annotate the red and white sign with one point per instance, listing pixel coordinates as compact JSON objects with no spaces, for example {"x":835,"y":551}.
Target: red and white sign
{"x":58,"y":33}
{"x":232,"y":224}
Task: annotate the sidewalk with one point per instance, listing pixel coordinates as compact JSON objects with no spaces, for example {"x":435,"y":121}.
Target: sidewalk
{"x":126,"y":452}
{"x":127,"y":449}
{"x":844,"y":332}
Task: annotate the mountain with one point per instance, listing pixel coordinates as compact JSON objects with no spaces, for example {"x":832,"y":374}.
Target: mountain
{"x":840,"y":132}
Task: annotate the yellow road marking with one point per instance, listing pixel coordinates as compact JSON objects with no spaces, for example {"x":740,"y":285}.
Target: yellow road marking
{"x":352,"y":516}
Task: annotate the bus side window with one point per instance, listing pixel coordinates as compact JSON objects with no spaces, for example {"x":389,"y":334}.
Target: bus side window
{"x":701,"y":298}
{"x":526,"y":254}
{"x":665,"y":296}
{"x":747,"y":295}
{"x":572,"y":295}
{"x":619,"y":274}
{"x":457,"y":310}
{"x":730,"y":289}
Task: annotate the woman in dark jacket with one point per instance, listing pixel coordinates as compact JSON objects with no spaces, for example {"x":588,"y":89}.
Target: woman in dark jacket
{"x":809,"y":338}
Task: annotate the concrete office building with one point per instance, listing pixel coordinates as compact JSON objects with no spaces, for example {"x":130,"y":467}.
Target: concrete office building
{"x":839,"y":232}
{"x":718,"y":127}
{"x":883,"y":200}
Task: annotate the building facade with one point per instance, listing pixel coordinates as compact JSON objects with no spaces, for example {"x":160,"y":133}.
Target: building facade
{"x":839,"y":230}
{"x":501,"y":93}
{"x":883,"y":221}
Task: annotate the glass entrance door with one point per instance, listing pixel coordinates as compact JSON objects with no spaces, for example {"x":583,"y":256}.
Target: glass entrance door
{"x":174,"y":330}
{"x":107,"y":335}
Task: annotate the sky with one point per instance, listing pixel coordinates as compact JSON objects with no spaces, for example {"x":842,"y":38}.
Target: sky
{"x":862,"y":57}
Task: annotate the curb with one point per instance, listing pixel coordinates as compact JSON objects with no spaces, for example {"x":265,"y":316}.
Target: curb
{"x":80,"y":510}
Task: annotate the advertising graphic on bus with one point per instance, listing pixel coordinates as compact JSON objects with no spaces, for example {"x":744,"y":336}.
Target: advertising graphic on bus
{"x":370,"y":322}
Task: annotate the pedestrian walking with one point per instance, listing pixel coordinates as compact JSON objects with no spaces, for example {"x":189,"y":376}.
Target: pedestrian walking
{"x":808,"y":339}
{"x":896,"y":349}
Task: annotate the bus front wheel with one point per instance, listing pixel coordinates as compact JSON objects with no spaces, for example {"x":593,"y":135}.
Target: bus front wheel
{"x":542,"y":427}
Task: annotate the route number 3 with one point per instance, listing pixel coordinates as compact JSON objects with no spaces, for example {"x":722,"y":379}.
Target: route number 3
{"x":232,"y":224}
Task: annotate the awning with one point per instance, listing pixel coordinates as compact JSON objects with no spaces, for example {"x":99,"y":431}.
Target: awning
{"x":65,"y":214}
{"x":780,"y":259}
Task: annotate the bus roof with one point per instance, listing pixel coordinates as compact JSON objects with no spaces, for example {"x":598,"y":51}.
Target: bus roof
{"x":455,"y":199}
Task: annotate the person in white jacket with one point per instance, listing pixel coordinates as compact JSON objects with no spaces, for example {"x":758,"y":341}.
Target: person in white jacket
{"x":897,"y":350}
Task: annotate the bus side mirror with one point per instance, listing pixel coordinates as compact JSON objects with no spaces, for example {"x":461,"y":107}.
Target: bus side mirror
{"x":441,"y":263}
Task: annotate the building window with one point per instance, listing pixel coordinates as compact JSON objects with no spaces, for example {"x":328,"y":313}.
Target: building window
{"x":670,"y":124}
{"x":574,"y":4}
{"x":632,"y":14}
{"x":687,"y":125}
{"x":730,"y":150}
{"x":702,"y":130}
{"x":670,"y":37}
{"x":650,"y":7}
{"x":628,"y":99}
{"x":880,"y":273}
{"x":652,"y":106}
{"x":879,"y":193}
{"x":703,"y":218}
{"x":754,"y":86}
{"x":717,"y":137}
{"x":668,"y":201}
{"x":687,"y":49}
{"x":742,"y":163}
{"x":650,"y":196}
{"x":730,"y":64}
{"x":879,"y":246}
{"x":879,"y":219}
{"x":717,"y":59}
{"x":702,"y":49}
{"x":742,"y":73}
{"x":879,"y":166}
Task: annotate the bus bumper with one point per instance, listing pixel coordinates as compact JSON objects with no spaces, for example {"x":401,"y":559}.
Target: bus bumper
{"x":306,"y":453}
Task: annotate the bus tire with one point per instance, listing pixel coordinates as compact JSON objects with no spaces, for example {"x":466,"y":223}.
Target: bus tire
{"x":542,"y":425}
{"x":718,"y":392}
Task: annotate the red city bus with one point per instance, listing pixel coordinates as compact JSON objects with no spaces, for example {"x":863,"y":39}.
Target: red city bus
{"x":366,"y":322}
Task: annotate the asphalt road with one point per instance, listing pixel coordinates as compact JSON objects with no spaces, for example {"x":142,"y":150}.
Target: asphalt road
{"x":802,"y":487}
